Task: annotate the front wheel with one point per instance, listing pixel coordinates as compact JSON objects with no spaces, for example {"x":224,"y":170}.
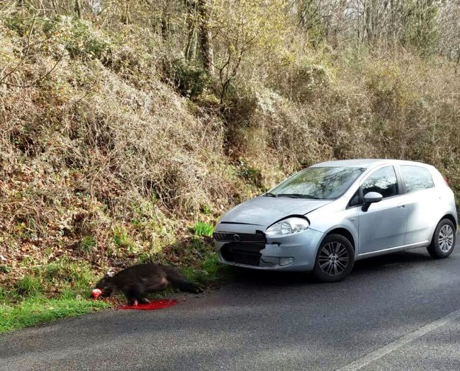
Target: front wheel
{"x":443,"y":242}
{"x":334,"y":260}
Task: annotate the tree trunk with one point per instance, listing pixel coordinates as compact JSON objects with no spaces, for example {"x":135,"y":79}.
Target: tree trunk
{"x":165,"y":20}
{"x":205,"y":36}
{"x":78,"y":8}
{"x":458,"y":62}
{"x":368,"y":22}
{"x":191,"y":25}
{"x":164,"y":26}
{"x":126,"y":16}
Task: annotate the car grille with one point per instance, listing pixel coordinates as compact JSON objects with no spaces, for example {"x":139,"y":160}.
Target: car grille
{"x":242,"y":252}
{"x":257,"y":237}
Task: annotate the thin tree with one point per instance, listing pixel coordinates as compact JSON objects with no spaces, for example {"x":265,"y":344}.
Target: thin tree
{"x":78,"y":8}
{"x":205,"y":36}
{"x":190,"y":21}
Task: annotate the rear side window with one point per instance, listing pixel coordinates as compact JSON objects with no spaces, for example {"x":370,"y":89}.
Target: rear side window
{"x":382,"y":181}
{"x":416,"y":178}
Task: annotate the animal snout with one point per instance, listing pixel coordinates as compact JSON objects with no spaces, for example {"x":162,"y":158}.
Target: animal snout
{"x":96,"y":293}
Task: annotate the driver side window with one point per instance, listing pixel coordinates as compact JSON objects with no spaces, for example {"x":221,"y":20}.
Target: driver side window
{"x":383,"y":181}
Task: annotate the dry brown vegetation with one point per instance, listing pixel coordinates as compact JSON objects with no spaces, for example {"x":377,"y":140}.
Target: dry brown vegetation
{"x":113,"y":144}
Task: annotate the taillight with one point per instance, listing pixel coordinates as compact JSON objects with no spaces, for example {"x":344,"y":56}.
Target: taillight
{"x":447,"y":182}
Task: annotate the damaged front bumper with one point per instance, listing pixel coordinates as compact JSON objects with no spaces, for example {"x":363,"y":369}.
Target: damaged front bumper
{"x":246,"y":246}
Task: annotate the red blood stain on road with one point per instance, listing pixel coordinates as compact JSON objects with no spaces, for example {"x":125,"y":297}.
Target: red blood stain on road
{"x":154,"y":305}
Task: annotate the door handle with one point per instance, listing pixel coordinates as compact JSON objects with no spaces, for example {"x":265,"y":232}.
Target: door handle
{"x":401,"y":205}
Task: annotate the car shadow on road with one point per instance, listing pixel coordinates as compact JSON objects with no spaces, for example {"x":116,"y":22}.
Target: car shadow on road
{"x":369,"y":266}
{"x":391,"y":261}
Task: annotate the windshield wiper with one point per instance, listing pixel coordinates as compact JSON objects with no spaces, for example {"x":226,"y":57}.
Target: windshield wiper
{"x":290,"y":195}
{"x":298,"y":195}
{"x":269,"y":194}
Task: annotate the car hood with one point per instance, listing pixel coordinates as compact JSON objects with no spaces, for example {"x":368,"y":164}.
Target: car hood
{"x":265,"y":211}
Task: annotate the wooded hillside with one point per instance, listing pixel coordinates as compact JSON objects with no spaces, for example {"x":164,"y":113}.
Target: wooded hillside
{"x":128,"y":127}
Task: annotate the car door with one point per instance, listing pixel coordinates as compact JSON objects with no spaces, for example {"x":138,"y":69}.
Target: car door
{"x":383,"y":225}
{"x":421,"y":199}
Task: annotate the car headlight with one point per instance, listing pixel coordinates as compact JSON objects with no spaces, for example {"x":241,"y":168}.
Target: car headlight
{"x":288,"y":226}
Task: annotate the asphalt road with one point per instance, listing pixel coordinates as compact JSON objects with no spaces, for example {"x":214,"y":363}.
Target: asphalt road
{"x":398,"y":312}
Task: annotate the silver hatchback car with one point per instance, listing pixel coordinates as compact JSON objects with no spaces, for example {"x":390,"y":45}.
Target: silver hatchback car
{"x":328,"y":216}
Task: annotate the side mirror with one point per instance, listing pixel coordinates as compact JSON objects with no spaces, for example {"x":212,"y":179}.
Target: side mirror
{"x":370,"y":198}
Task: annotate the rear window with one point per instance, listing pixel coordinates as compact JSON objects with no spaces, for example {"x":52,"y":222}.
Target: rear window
{"x":416,"y":178}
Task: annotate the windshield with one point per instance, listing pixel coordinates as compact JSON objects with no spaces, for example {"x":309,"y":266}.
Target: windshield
{"x":318,"y":183}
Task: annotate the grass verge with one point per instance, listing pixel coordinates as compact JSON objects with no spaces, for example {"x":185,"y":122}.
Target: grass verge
{"x":209,"y":273}
{"x":37,"y":310}
{"x":30,"y":306}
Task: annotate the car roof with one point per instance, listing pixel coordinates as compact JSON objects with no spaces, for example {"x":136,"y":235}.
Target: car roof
{"x":367,"y":163}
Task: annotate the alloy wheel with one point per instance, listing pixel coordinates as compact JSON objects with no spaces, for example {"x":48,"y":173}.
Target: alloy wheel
{"x":446,"y":238}
{"x":333,"y":258}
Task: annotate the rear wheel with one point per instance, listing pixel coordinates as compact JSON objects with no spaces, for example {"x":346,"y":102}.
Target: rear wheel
{"x":443,"y":242}
{"x":334,"y":260}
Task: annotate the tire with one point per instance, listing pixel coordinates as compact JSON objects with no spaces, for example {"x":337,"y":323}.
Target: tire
{"x":443,"y":242}
{"x":334,"y":260}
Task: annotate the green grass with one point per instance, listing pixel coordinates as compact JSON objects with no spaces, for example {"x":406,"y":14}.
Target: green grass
{"x":209,"y":272}
{"x":87,"y":244}
{"x":35,"y":310}
{"x":4,"y":269}
{"x":26,"y":303}
{"x":122,"y":240}
{"x":29,"y":285}
{"x":203,"y":229}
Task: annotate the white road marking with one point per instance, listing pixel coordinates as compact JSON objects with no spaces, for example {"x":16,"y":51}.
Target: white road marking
{"x":406,"y":339}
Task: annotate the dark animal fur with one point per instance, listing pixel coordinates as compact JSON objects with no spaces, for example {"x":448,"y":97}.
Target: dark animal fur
{"x":139,"y":280}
